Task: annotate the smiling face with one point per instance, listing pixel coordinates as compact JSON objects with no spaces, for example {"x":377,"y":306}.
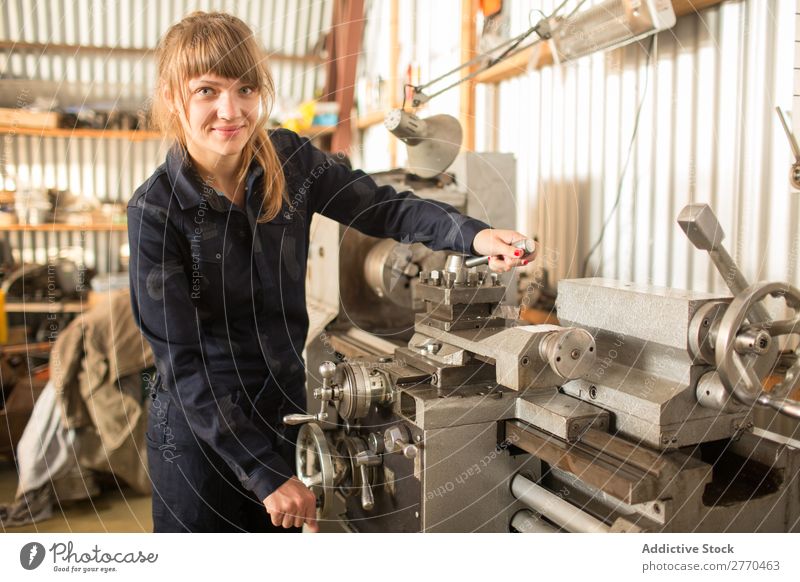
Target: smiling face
{"x":219,"y":117}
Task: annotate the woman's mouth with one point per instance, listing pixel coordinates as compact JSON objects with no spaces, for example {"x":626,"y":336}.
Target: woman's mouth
{"x":228,"y":131}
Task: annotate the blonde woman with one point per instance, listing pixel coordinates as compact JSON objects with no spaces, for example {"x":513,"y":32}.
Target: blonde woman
{"x":219,"y":241}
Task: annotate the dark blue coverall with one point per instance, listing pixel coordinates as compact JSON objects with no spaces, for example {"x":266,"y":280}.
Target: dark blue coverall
{"x":221,"y":300}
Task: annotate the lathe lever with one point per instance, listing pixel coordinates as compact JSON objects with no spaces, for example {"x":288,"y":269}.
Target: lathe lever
{"x":526,"y":244}
{"x":366,"y":459}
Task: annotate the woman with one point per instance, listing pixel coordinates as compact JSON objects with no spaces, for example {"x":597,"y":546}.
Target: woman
{"x":219,"y":242}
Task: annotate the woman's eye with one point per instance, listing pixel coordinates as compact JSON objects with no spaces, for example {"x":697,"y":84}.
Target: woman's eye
{"x":205,"y":91}
{"x":247,"y":90}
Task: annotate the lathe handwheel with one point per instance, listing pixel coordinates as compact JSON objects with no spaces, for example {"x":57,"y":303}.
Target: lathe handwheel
{"x":315,"y":466}
{"x":736,"y":360}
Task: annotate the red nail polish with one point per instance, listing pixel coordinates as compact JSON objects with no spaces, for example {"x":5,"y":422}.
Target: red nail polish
{"x":518,"y":253}
{"x":524,"y":262}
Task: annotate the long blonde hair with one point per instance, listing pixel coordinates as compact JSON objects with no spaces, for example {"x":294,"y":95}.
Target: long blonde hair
{"x":219,"y":44}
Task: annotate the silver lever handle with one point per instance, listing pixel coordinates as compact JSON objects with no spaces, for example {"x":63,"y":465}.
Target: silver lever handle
{"x":703,"y":230}
{"x":303,"y":418}
{"x":396,"y":440}
{"x":328,"y":392}
{"x":526,"y":244}
{"x":794,"y":175}
{"x":366,"y":459}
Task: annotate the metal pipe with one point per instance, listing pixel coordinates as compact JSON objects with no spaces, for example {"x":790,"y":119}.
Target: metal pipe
{"x":566,"y":515}
{"x":525,"y":521}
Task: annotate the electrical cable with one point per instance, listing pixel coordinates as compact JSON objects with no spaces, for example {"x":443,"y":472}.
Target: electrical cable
{"x":594,"y":247}
{"x":510,"y":51}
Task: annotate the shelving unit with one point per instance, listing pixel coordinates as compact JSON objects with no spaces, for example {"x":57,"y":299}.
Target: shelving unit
{"x":132,"y":135}
{"x":46,"y":306}
{"x":370,"y":119}
{"x":62,"y":227}
{"x":109,"y":51}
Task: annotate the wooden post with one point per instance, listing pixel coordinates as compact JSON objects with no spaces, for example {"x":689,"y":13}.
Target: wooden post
{"x":469,"y":42}
{"x":344,"y":46}
{"x":394,"y":76}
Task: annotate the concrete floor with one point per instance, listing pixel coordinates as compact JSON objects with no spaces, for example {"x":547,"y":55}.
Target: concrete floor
{"x":111,"y":511}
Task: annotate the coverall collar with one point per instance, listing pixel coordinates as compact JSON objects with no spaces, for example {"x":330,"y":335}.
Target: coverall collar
{"x":186,"y":184}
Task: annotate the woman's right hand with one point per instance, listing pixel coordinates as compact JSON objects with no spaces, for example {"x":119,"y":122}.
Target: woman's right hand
{"x":292,"y":504}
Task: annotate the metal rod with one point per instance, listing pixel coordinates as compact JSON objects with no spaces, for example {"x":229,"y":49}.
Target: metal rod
{"x":526,"y":244}
{"x":525,"y":521}
{"x":789,"y":133}
{"x":566,"y":515}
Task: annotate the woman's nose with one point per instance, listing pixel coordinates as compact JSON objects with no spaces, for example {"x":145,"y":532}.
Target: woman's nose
{"x":227,"y":106}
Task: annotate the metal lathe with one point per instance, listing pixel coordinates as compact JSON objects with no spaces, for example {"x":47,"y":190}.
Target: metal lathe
{"x":635,"y":414}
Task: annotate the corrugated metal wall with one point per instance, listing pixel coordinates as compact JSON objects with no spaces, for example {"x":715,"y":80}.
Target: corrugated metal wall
{"x":110,"y":169}
{"x":707,"y":133}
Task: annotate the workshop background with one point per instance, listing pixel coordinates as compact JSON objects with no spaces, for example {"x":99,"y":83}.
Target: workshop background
{"x":609,"y":147}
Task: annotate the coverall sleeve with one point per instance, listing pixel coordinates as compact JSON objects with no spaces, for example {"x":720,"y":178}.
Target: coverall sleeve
{"x":163,"y":310}
{"x":354,"y":199}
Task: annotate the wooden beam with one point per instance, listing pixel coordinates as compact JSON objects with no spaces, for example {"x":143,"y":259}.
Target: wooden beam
{"x":518,"y":64}
{"x":394,"y":65}
{"x":683,"y":7}
{"x":469,"y":45}
{"x":370,"y":119}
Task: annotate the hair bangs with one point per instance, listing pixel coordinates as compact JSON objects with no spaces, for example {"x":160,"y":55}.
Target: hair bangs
{"x":219,"y":50}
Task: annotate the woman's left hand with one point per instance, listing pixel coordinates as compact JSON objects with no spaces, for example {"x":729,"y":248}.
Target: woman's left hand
{"x":498,"y":244}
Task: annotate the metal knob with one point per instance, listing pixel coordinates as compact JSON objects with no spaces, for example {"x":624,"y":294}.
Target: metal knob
{"x":328,"y":392}
{"x":752,"y":341}
{"x":396,"y":440}
{"x":327,"y":370}
{"x":569,"y":352}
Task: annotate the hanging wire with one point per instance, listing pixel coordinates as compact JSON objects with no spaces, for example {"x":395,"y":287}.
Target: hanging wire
{"x":513,"y":48}
{"x":620,"y":184}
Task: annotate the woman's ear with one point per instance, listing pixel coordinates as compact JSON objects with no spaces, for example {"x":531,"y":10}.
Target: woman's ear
{"x":166,"y":94}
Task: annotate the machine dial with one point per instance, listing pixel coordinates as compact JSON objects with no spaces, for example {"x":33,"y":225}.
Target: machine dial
{"x":744,"y":338}
{"x":315,"y":466}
